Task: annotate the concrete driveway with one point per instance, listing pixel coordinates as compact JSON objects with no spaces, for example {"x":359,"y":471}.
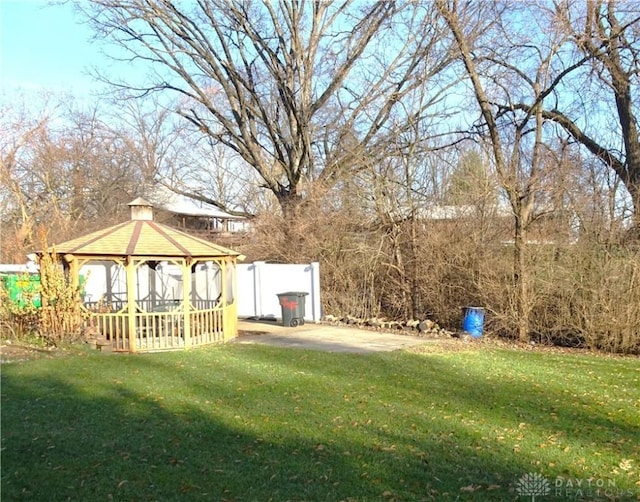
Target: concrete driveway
{"x":324,"y":337}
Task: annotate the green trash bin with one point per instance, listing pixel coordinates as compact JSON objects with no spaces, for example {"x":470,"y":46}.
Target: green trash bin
{"x":292,"y":304}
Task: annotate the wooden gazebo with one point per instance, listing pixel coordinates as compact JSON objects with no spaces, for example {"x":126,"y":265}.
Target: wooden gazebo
{"x":149,"y":287}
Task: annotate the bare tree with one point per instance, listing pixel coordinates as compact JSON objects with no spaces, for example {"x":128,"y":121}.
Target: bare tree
{"x":505,"y":64}
{"x":17,"y":133}
{"x":64,"y":169}
{"x":297,"y":89}
{"x":601,"y":114}
{"x":155,"y":141}
{"x":212,"y":173}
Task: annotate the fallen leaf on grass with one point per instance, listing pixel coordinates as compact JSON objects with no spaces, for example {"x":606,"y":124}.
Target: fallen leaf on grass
{"x":625,"y":464}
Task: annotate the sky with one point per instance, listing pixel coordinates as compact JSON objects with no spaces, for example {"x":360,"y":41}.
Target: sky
{"x":45,"y":47}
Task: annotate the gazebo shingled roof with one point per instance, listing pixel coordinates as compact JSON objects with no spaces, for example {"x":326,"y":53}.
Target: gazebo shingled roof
{"x":142,"y":237}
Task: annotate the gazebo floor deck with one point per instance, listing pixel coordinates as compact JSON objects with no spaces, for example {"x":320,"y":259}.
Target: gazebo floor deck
{"x":151,"y":343}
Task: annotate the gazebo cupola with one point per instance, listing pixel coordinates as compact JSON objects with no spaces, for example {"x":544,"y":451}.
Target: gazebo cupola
{"x":147,"y":286}
{"x":141,"y":210}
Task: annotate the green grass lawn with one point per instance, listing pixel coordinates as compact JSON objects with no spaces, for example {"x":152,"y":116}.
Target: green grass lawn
{"x":248,"y":422}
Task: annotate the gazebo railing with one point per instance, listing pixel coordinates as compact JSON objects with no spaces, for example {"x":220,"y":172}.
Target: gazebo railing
{"x":158,"y":305}
{"x":159,"y":330}
{"x":114,"y":327}
{"x":207,"y":326}
{"x":163,"y":328}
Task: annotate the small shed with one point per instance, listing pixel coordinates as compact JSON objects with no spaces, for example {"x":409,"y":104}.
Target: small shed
{"x":148,"y":287}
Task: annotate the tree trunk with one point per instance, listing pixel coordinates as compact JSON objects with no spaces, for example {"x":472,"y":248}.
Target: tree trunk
{"x":416,"y":297}
{"x":634,"y":233}
{"x":292,"y":207}
{"x":521,"y":281}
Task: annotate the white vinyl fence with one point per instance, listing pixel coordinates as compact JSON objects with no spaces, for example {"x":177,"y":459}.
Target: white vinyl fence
{"x":259,"y":283}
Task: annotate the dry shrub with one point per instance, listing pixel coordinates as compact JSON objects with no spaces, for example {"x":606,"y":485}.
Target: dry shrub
{"x":369,"y":269}
{"x":447,"y":269}
{"x":580,"y":294}
{"x":60,"y":318}
{"x":600,"y":300}
{"x":349,"y":254}
{"x":463,"y":263}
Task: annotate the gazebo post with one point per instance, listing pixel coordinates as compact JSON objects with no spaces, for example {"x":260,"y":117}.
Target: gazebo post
{"x":234,"y":311}
{"x":108,"y":281}
{"x":186,"y":300}
{"x":223,"y":292}
{"x":73,"y":274}
{"x":131,"y":302}
{"x":228,"y":330}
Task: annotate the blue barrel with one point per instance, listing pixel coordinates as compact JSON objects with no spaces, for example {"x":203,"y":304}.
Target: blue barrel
{"x":473,"y":321}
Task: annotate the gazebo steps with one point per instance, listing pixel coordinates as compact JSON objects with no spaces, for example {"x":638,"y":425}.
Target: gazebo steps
{"x":102,"y":344}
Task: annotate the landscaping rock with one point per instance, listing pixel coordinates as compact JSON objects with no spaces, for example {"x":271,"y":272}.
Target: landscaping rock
{"x":415,"y":327}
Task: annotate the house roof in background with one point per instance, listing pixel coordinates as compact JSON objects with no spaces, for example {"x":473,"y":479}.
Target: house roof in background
{"x":463,"y":211}
{"x":163,"y":198}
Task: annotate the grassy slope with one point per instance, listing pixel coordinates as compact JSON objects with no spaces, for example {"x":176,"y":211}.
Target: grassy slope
{"x":260,"y":423}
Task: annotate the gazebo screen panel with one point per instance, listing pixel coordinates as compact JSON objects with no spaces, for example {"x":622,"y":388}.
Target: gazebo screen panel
{"x":104,"y":284}
{"x":206,"y":284}
{"x":207,"y":306}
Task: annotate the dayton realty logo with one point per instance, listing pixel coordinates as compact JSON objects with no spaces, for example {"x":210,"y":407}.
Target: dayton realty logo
{"x":533,"y":485}
{"x":588,"y":488}
{"x":536,"y":485}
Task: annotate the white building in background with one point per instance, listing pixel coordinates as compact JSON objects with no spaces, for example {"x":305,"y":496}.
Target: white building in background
{"x":191,"y":214}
